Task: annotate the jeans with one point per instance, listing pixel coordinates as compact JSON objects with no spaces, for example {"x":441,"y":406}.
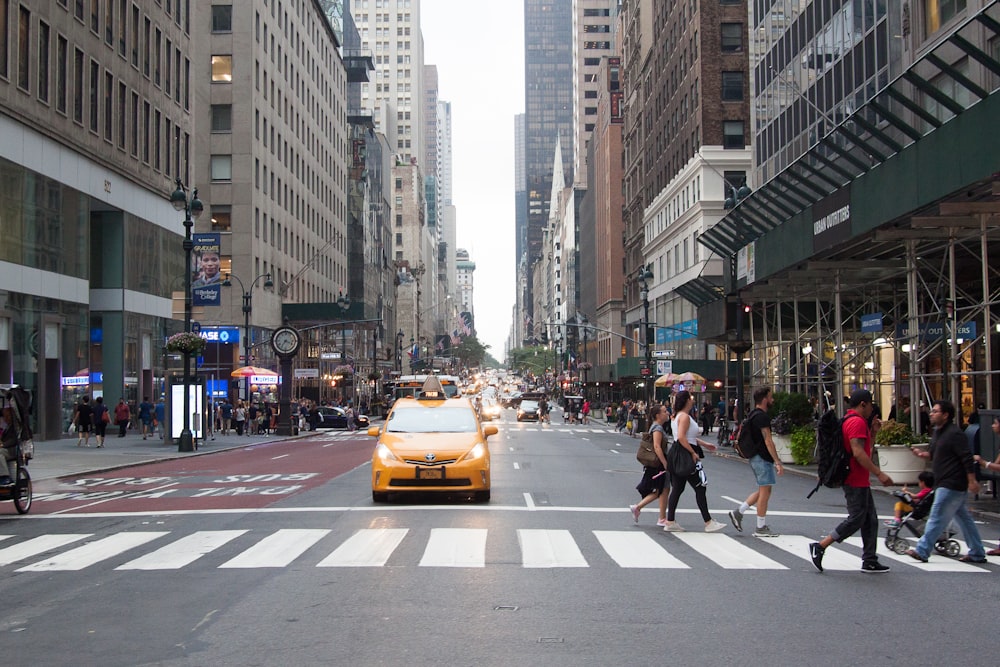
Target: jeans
{"x":949,"y":504}
{"x":861,"y":516}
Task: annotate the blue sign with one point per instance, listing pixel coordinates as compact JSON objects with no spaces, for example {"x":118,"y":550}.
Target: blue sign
{"x":218,"y":388}
{"x":687,"y":329}
{"x":931,"y":331}
{"x":208,"y":295}
{"x":871,"y":323}
{"x":220,"y":334}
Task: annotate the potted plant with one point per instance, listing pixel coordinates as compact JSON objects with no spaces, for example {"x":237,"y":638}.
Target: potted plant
{"x":892,"y":453}
{"x":803,"y":444}
{"x":788,"y":412}
{"x":186,"y":343}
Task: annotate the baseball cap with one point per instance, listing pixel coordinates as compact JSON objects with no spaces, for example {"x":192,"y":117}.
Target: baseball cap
{"x":859,"y":396}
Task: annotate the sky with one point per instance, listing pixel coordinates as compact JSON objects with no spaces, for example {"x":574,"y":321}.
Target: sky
{"x":478,"y":48}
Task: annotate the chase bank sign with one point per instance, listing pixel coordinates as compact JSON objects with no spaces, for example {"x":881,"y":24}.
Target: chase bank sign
{"x":220,"y":334}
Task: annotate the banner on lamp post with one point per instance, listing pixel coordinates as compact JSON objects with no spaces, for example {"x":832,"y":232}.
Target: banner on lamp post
{"x":206,"y":279}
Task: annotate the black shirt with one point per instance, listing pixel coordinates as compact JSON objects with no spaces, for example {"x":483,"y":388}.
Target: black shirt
{"x":758,"y":421}
{"x":951,"y":459}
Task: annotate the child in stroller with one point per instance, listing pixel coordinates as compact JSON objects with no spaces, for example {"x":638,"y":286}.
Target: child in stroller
{"x":914,"y":523}
{"x":925,"y":482}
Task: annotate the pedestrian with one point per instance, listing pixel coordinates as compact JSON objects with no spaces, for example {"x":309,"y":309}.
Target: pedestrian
{"x":227,"y":416}
{"x":252,"y":419}
{"x":543,"y":409}
{"x":122,"y":416}
{"x":686,"y":432}
{"x":654,"y":478}
{"x":100,"y":419}
{"x":585,"y":411}
{"x":160,"y":414}
{"x":991,"y":465}
{"x":83,"y":419}
{"x":954,"y":477}
{"x":633,"y":419}
{"x":861,"y":515}
{"x":146,"y":410}
{"x":349,"y":413}
{"x":240,"y":417}
{"x":764,"y":462}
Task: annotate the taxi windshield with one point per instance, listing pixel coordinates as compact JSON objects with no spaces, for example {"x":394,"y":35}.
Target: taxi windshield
{"x":431,"y":420}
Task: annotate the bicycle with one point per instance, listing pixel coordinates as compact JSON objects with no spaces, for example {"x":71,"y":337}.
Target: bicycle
{"x":724,"y":432}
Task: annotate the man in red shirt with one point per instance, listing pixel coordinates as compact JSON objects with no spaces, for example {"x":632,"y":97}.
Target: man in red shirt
{"x":861,"y":514}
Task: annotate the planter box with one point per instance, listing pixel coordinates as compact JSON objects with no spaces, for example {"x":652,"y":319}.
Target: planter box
{"x":783,"y":446}
{"x":900,"y":464}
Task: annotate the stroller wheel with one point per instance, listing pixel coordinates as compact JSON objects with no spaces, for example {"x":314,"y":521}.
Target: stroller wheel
{"x":899,"y":545}
{"x":948,"y":548}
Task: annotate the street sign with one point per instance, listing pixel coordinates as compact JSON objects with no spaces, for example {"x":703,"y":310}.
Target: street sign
{"x":243,"y":357}
{"x":644,"y":371}
{"x":664,"y":354}
{"x":196,"y":327}
{"x":664,"y":367}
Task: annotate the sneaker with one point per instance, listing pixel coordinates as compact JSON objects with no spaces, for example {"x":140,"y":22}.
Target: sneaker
{"x":764,"y":531}
{"x":892,"y":523}
{"x":661,"y":522}
{"x":714,"y":526}
{"x":912,"y":553}
{"x":816,"y":554}
{"x":874,"y":567}
{"x":635,"y":513}
{"x":736,"y":517}
{"x":672,"y":527}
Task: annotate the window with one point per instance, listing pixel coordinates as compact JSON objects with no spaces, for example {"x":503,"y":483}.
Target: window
{"x":732,"y":86}
{"x":399,"y":219}
{"x":122,"y":125}
{"x":135,"y":125}
{"x":732,"y":37}
{"x":222,"y":69}
{"x":78,"y":85}
{"x":939,"y":12}
{"x":222,"y":218}
{"x":222,"y":18}
{"x":4,"y":38}
{"x":222,"y":167}
{"x":157,"y":37}
{"x":399,"y":239}
{"x":222,"y":118}
{"x":23,"y":46}
{"x":109,"y":22}
{"x":732,"y":134}
{"x":156,"y":139}
{"x":95,"y":84}
{"x":146,"y":33}
{"x":145,"y":131}
{"x":109,"y":91}
{"x":62,"y":74}
{"x":43,"y":61}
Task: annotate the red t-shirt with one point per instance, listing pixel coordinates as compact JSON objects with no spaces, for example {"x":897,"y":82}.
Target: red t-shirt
{"x":855,"y":427}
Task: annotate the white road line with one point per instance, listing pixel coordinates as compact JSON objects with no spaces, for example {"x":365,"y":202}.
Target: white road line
{"x":107,"y":500}
{"x":613,"y":451}
{"x":184,"y":551}
{"x":549,"y":548}
{"x":275,"y":458}
{"x":733,"y":500}
{"x":937,"y":562}
{"x":517,"y":466}
{"x":529,"y":501}
{"x":38,"y":545}
{"x":455,"y":547}
{"x":798,"y":545}
{"x":277,"y":550}
{"x":631,"y":549}
{"x":727,"y":552}
{"x":95,"y":552}
{"x":369,"y":547}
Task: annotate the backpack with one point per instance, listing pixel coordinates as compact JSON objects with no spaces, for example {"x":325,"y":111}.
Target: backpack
{"x":834,"y":459}
{"x":743,"y":441}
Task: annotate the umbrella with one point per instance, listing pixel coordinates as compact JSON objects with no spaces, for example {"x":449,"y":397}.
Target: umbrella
{"x":664,"y":380}
{"x":670,"y":379}
{"x":249,"y":371}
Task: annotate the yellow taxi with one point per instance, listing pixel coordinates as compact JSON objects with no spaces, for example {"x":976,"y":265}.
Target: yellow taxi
{"x":431,"y":443}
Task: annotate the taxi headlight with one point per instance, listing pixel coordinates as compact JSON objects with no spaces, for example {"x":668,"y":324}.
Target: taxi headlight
{"x":384,"y":453}
{"x":476,"y":452}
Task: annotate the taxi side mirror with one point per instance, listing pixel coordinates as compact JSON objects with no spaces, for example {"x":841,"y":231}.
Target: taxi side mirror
{"x":373,"y":431}
{"x":490,"y":430}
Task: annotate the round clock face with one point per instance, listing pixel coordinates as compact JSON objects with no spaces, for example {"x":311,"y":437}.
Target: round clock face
{"x":285,"y":341}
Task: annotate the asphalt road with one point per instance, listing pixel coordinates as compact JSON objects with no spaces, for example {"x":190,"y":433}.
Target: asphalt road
{"x":234,"y":566}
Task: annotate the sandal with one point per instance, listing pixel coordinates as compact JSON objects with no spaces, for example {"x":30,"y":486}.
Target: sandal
{"x":969,"y":559}
{"x":993,"y":552}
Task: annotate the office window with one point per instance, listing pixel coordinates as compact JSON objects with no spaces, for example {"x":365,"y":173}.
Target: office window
{"x":147,"y":31}
{"x":62,"y":74}
{"x":109,"y":91}
{"x":222,"y":18}
{"x":167,"y":132}
{"x":733,"y":134}
{"x":222,"y":167}
{"x":222,"y":118}
{"x":732,"y":86}
{"x":109,"y":22}
{"x":399,"y":239}
{"x":95,"y":86}
{"x":222,"y":69}
{"x":78,"y":85}
{"x":732,"y":37}
{"x":135,"y":36}
{"x":145,"y":131}
{"x":122,"y":125}
{"x":43,"y":61}
{"x":4,"y":36}
{"x":157,"y":38}
{"x":399,"y":219}
{"x":78,"y":9}
{"x":222,"y":218}
{"x":134,"y":115}
{"x":939,"y":12}
{"x":122,"y":27}
{"x":23,"y":48}
{"x":156,"y":139}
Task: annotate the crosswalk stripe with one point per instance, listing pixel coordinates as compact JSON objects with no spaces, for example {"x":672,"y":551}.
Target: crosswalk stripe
{"x":549,"y":548}
{"x":38,"y":545}
{"x":455,"y":547}
{"x":798,"y":545}
{"x":631,"y":549}
{"x":727,"y":552}
{"x":936,"y":564}
{"x":184,"y":551}
{"x":277,"y":550}
{"x":369,"y":547}
{"x":94,"y":552}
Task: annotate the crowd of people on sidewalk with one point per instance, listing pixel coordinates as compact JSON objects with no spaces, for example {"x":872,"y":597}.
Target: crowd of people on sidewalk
{"x":680,"y":464}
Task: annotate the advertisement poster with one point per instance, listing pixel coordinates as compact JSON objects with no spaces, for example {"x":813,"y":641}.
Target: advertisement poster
{"x":206,"y":279}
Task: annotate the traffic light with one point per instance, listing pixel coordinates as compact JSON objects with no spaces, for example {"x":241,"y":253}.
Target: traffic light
{"x":650,"y":335}
{"x":746,"y":307}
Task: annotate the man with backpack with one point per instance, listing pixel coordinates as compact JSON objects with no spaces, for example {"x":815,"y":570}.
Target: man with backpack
{"x":861,"y":515}
{"x":763,"y":461}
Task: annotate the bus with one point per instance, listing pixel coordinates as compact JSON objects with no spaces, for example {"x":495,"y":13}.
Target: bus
{"x":410,"y":385}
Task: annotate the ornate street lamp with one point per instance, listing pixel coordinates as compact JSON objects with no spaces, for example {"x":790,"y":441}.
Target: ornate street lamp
{"x":192,"y":210}
{"x":247,"y":309}
{"x":645,"y":275}
{"x":399,"y":351}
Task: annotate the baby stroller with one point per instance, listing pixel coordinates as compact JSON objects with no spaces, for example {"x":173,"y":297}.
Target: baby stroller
{"x":914,"y":524}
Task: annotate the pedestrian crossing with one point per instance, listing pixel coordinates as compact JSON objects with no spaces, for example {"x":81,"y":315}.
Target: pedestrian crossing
{"x":440,"y":547}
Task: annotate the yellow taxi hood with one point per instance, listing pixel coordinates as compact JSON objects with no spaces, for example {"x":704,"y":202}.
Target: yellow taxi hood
{"x":421,"y":443}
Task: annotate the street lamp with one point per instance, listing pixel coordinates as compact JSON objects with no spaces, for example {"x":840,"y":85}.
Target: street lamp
{"x":645,"y":275}
{"x":192,"y":210}
{"x":247,"y":309}
{"x":740,"y":346}
{"x":399,"y":351}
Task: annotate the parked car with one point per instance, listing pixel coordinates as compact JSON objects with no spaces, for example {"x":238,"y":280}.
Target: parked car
{"x":330,"y":417}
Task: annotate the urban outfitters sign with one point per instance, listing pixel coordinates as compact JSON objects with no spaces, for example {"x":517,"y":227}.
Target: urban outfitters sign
{"x":832,"y":220}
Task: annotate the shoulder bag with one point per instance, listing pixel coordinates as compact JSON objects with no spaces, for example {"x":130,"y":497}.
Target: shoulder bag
{"x":679,"y":460}
{"x":647,"y":453}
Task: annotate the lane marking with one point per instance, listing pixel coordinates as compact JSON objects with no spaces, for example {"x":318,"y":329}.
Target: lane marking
{"x":455,"y":547}
{"x":94,"y":552}
{"x":184,"y":551}
{"x":614,"y":451}
{"x":549,"y":548}
{"x":937,"y":562}
{"x":529,"y":502}
{"x":369,"y":547}
{"x":124,"y":497}
{"x":798,"y":545}
{"x":277,"y":550}
{"x":517,"y":466}
{"x":275,"y":458}
{"x":637,"y":550}
{"x":727,"y":552}
{"x":38,"y":545}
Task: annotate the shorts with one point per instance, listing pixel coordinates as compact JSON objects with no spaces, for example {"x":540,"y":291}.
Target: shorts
{"x":763,"y":470}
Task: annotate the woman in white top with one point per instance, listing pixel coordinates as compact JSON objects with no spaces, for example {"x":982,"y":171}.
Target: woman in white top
{"x":686,"y":431}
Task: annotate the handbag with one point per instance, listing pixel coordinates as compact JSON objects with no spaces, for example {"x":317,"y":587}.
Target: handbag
{"x":647,"y":453}
{"x":679,"y":460}
{"x":105,"y":417}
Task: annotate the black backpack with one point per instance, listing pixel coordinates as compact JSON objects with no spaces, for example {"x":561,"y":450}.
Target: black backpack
{"x":743,"y":441}
{"x":834,"y":458}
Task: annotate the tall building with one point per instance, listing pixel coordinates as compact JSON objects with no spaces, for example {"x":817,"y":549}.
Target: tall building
{"x":391,"y":30}
{"x":592,"y":40}
{"x":95,"y":126}
{"x":466,"y":292}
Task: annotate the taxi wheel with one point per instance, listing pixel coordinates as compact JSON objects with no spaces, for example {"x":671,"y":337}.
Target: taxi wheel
{"x":482,"y":496}
{"x":380,"y":497}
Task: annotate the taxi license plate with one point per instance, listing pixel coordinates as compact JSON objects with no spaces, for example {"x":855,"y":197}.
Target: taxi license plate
{"x":430,"y":473}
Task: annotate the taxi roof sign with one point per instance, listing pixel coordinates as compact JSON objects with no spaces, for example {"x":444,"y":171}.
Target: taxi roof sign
{"x":432,"y":389}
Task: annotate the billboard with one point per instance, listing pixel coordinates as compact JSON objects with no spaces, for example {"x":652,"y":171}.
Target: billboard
{"x":206,"y":276}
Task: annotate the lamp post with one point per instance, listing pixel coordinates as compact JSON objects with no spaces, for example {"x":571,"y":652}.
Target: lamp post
{"x":399,"y":351}
{"x":247,"y":309}
{"x":192,"y":210}
{"x":740,"y":346}
{"x":586,"y":364}
{"x":344,"y":303}
{"x":645,"y":274}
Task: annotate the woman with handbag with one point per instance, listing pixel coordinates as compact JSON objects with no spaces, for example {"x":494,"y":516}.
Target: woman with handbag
{"x":654,"y":478}
{"x":684,"y":464}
